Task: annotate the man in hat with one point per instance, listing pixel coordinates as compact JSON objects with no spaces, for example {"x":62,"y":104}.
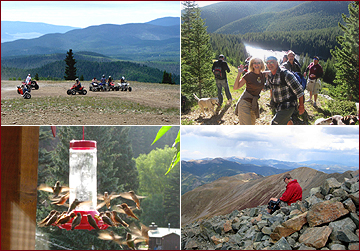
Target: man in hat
{"x":219,"y":68}
{"x":291,"y":64}
{"x":286,"y":89}
{"x":315,"y":72}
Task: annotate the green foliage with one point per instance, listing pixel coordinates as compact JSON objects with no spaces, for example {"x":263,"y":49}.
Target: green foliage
{"x":167,"y":78}
{"x":36,"y":77}
{"x":347,"y":57}
{"x":81,"y":78}
{"x":341,"y":107}
{"x":163,"y":130}
{"x":70,"y":69}
{"x":157,"y":186}
{"x":196,"y":55}
{"x":229,"y":45}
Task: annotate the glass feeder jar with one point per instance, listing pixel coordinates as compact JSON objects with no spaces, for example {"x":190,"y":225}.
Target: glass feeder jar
{"x":82,"y":173}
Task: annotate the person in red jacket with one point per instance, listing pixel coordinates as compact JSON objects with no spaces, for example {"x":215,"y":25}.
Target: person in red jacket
{"x":292,"y":194}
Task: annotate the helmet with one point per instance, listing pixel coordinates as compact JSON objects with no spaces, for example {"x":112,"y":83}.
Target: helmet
{"x":103,"y":76}
{"x":123,"y":77}
{"x":29,"y":74}
{"x":77,"y":80}
{"x":109,"y":76}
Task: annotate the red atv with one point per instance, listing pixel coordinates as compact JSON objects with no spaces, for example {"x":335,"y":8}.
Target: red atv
{"x":25,"y":95}
{"x":73,"y":90}
{"x":31,"y":85}
{"x":113,"y":87}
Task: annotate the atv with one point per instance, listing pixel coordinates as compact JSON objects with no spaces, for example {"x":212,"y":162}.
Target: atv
{"x":125,"y":86}
{"x":73,"y":90}
{"x":25,"y":95}
{"x":113,"y":87}
{"x":31,"y":85}
{"x":95,"y":86}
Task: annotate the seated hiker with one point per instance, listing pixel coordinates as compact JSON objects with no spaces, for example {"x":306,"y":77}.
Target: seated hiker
{"x":292,"y":194}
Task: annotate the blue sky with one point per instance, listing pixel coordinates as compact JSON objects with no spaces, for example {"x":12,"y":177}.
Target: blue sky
{"x":87,"y":13}
{"x":288,"y":143}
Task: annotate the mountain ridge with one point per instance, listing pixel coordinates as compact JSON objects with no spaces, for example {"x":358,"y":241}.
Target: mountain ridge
{"x":228,"y":194}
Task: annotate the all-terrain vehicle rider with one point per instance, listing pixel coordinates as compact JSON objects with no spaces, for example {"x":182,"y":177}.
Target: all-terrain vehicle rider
{"x":28,"y":79}
{"x":103,"y":82}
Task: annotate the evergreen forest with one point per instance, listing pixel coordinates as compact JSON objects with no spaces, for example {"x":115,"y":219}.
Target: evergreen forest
{"x":337,"y":46}
{"x":125,"y":161}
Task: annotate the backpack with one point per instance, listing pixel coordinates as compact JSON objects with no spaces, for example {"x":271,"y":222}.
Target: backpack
{"x":300,"y":78}
{"x":218,"y":72}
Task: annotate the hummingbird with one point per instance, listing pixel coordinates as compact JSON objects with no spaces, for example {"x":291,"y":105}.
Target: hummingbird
{"x":125,"y":209}
{"x":130,"y":242}
{"x":110,"y":236}
{"x":61,"y":200}
{"x":117,"y":220}
{"x":106,"y":198}
{"x":65,"y":218}
{"x":76,"y":203}
{"x":142,"y":234}
{"x":76,"y":222}
{"x":107,"y":220}
{"x":57,"y":189}
{"x":42,"y":222}
{"x":132,"y":196}
{"x":52,"y":219}
{"x":92,"y":222}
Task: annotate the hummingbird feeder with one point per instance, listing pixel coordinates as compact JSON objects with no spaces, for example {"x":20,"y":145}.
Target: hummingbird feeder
{"x":83,"y":182}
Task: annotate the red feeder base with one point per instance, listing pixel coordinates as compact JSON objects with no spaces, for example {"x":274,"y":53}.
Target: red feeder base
{"x":84,"y":222}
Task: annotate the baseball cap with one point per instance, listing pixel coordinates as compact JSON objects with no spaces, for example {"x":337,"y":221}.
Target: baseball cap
{"x":221,"y":56}
{"x":316,"y":57}
{"x":270,"y":58}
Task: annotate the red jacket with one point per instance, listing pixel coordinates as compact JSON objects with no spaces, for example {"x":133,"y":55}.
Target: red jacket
{"x":293,"y":192}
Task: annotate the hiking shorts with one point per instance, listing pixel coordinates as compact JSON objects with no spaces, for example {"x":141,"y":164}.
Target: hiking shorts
{"x":313,"y":86}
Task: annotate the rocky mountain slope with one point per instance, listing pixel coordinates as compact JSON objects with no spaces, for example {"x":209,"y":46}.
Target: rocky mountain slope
{"x":327,"y":219}
{"x":236,"y":193}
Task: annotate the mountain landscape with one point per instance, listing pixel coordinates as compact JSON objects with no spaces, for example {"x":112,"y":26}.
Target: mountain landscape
{"x":199,"y":172}
{"x":154,"y":44}
{"x":325,"y":219}
{"x":14,"y":30}
{"x":246,"y":191}
{"x":254,"y":16}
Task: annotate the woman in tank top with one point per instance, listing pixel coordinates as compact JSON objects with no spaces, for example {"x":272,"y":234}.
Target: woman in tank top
{"x":247,"y":107}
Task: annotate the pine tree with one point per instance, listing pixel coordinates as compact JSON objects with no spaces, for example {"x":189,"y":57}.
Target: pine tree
{"x":172,"y":198}
{"x":36,"y":77}
{"x":347,"y":57}
{"x":70,"y":70}
{"x":196,"y":54}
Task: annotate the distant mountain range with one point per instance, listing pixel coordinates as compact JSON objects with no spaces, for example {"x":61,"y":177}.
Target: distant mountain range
{"x":241,"y":191}
{"x":199,"y":172}
{"x":240,"y":17}
{"x":14,"y":30}
{"x":136,"y":41}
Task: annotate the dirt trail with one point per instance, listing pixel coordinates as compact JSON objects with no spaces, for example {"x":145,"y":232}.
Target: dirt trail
{"x":146,"y":104}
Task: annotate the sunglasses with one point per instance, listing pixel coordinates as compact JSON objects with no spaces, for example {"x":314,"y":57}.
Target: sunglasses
{"x":270,"y":62}
{"x":257,"y":63}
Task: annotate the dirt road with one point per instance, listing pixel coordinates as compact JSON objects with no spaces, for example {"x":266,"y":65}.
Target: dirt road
{"x":146,"y":104}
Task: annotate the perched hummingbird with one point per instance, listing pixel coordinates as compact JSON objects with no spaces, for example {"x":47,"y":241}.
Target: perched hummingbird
{"x":110,"y":236}
{"x":142,"y":234}
{"x":106,"y":198}
{"x":92,"y":222}
{"x":65,"y":218}
{"x":42,"y":222}
{"x":124,"y":208}
{"x":117,"y":220}
{"x":132,"y":196}
{"x":107,"y":220}
{"x":52,"y":219}
{"x":76,"y":222}
{"x":57,"y":189}
{"x":61,"y":200}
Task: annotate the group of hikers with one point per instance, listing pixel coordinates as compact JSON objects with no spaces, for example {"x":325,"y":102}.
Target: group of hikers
{"x":283,"y":80}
